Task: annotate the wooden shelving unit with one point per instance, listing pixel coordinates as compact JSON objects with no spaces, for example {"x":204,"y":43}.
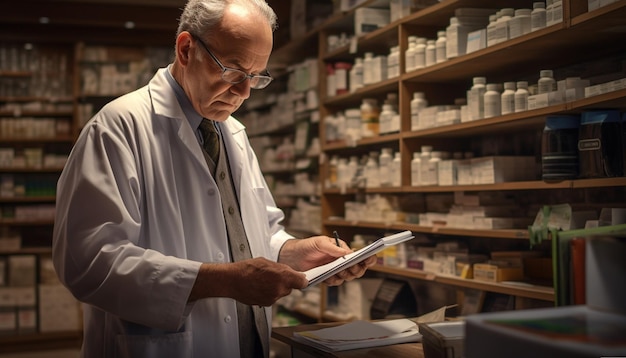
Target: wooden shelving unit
{"x":558,"y":45}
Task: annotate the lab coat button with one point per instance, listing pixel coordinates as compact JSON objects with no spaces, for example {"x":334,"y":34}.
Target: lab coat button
{"x":211,"y":191}
{"x":220,"y":256}
{"x":222,"y":175}
{"x":227,"y":319}
{"x":231,"y":210}
{"x":242,"y":247}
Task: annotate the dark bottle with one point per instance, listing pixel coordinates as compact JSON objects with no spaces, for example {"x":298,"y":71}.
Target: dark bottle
{"x":559,"y":148}
{"x":600,"y":144}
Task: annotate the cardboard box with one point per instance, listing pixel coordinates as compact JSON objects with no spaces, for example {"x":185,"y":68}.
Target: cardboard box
{"x":493,"y":273}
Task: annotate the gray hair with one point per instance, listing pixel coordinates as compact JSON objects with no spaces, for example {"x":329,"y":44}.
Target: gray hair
{"x":199,"y":16}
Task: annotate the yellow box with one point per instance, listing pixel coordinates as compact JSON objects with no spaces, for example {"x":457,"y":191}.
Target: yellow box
{"x":492,"y":273}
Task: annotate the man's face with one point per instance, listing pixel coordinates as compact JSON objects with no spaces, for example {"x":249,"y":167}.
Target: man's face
{"x":242,"y":41}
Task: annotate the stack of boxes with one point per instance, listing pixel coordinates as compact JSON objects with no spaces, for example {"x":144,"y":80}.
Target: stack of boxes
{"x":29,"y":306}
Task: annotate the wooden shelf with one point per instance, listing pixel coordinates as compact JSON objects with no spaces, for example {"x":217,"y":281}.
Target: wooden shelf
{"x":57,"y":139}
{"x":20,"y":113}
{"x":535,"y":292}
{"x":40,"y":341}
{"x":15,"y":74}
{"x":522,"y":185}
{"x":28,"y":251}
{"x":26,"y":223}
{"x":36,"y":99}
{"x":28,"y":199}
{"x":31,"y":170}
{"x":516,"y":234}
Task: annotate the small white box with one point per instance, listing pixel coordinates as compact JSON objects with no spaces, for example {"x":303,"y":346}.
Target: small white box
{"x":447,"y":172}
{"x":476,"y":40}
{"x":8,"y":311}
{"x":464,"y":172}
{"x":369,"y":19}
{"x":499,"y":169}
{"x":58,"y":309}
{"x":22,"y":270}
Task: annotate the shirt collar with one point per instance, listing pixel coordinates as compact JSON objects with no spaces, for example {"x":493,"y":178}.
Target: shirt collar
{"x":190,"y":113}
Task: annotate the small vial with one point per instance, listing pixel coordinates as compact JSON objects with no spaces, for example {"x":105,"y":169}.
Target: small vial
{"x":431,"y":53}
{"x":386,"y":118}
{"x":546,"y":82}
{"x":475,"y":100}
{"x":342,"y":70}
{"x":420,"y":53}
{"x":415,"y":169}
{"x":371,"y":171}
{"x":384,"y":167}
{"x":521,"y":96}
{"x":356,"y":75}
{"x":393,"y":62}
{"x":409,"y":55}
{"x":353,"y":167}
{"x":342,"y":173}
{"x":370,"y":116}
{"x":492,"y":101}
{"x":538,"y":16}
{"x":331,"y":86}
{"x":507,"y":99}
{"x":520,"y":24}
{"x":332,"y":171}
{"x":491,"y":30}
{"x":440,"y":47}
{"x":426,"y":150}
{"x":417,"y":104}
{"x":368,"y":68}
{"x":502,"y":24}
{"x":396,"y":170}
{"x":430,"y":176}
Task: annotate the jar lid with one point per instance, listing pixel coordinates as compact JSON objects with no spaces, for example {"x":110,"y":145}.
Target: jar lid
{"x":599,"y":116}
{"x":562,"y":122}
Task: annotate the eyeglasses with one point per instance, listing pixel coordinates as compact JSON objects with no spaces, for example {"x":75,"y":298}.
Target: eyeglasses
{"x":235,"y":76}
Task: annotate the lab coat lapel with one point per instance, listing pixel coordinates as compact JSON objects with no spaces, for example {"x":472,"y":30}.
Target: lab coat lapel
{"x":166,"y":107}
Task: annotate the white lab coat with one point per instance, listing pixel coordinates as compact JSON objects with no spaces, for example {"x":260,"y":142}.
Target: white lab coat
{"x":138,"y":212}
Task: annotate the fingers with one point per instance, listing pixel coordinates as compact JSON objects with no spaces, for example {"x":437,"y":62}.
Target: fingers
{"x":352,"y":273}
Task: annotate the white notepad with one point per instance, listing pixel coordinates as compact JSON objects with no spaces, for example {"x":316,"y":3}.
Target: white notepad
{"x":320,"y":273}
{"x":361,"y":334}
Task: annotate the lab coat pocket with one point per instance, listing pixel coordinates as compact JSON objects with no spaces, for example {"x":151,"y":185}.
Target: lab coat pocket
{"x":157,"y":346}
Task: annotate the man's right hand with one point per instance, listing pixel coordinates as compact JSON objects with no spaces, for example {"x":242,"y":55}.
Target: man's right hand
{"x":255,"y":281}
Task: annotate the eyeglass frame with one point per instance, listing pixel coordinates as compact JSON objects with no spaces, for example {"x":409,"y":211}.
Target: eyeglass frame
{"x":225,"y":69}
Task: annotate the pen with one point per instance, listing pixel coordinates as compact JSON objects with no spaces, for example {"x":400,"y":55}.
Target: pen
{"x":336,"y":238}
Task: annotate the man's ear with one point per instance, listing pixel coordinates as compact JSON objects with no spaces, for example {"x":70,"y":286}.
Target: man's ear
{"x":183,"y":47}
